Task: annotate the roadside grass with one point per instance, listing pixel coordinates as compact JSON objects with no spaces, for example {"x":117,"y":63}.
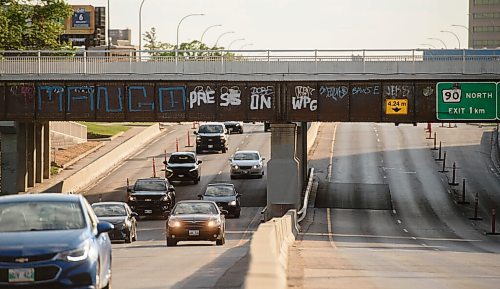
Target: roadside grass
{"x":54,"y":170}
{"x":101,"y":129}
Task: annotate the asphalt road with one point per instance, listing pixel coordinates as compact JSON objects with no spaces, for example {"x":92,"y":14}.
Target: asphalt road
{"x":386,"y":218}
{"x":148,"y":263}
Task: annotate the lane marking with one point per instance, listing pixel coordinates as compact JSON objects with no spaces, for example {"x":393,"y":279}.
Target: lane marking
{"x":330,"y":164}
{"x":399,"y":222}
{"x":244,"y":238}
{"x":220,"y":172}
{"x":406,"y":231}
{"x":378,"y":140}
{"x":329,"y":225}
{"x":414,"y":238}
{"x":394,"y":211}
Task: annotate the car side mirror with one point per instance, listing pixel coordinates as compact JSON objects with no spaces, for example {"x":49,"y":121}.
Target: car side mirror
{"x":199,"y":162}
{"x":103,"y":227}
{"x":200,"y":197}
{"x":225,"y":212}
{"x":263,"y":159}
{"x":238,"y":195}
{"x":195,"y":132}
{"x":129,"y":190}
{"x":165,"y":162}
{"x":171,"y":188}
{"x":134,"y":214}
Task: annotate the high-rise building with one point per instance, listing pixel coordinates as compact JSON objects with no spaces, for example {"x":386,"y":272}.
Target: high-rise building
{"x":484,"y":24}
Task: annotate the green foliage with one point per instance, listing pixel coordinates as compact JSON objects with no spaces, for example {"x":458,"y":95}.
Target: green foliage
{"x":100,"y":130}
{"x":32,"y":25}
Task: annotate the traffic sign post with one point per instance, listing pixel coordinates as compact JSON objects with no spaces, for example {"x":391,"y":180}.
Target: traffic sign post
{"x":466,"y":101}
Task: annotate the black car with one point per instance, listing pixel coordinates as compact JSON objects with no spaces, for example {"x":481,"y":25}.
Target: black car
{"x":196,"y":221}
{"x":182,"y":167}
{"x":267,"y":126}
{"x":121,"y":216}
{"x":212,"y":136}
{"x":234,"y":126}
{"x":225,"y":196}
{"x":152,"y":197}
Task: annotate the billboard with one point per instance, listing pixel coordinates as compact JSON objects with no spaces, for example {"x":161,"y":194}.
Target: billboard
{"x":81,"y":21}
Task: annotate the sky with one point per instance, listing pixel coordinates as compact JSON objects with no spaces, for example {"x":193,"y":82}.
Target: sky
{"x":297,"y":24}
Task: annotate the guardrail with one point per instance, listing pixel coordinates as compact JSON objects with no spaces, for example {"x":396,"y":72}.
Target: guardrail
{"x":215,"y":61}
{"x":303,"y":212}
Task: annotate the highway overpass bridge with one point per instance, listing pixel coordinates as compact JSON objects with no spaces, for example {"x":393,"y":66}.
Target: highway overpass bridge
{"x":399,"y":86}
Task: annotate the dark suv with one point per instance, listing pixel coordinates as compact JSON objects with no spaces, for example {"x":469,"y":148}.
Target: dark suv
{"x":182,"y":167}
{"x":211,"y":136}
{"x":152,"y":197}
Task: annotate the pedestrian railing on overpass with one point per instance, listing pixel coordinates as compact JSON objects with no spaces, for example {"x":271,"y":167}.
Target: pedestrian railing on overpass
{"x":249,"y":62}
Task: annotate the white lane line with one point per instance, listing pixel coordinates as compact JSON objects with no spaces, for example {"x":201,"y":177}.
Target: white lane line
{"x":414,"y":238}
{"x":425,"y":245}
{"x":238,"y":149}
{"x":247,"y":136}
{"x":394,"y":211}
{"x":406,"y":231}
{"x":330,"y":164}
{"x":399,"y":221}
{"x":220,"y":172}
{"x":330,"y":230}
{"x":378,"y":140}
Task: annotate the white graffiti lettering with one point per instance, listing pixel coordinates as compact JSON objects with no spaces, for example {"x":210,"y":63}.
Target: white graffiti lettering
{"x":336,"y":93}
{"x":366,"y":90}
{"x":398,"y":91}
{"x":200,"y":95}
{"x":302,"y":98}
{"x":230,"y":96}
{"x":260,"y":97}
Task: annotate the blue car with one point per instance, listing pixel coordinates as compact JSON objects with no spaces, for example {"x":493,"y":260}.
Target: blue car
{"x":52,"y":241}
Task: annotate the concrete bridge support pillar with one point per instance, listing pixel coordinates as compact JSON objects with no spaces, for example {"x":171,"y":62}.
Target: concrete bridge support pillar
{"x":283,"y":190}
{"x":39,"y":152}
{"x":302,"y":153}
{"x":46,"y":150}
{"x":13,"y":150}
{"x":30,"y":153}
{"x":22,"y":172}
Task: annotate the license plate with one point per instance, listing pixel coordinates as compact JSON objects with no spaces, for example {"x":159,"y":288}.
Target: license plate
{"x":148,"y":211}
{"x":210,"y":146}
{"x":147,"y":200}
{"x":244,"y":172}
{"x":22,"y":275}
{"x":181,"y":176}
{"x":194,"y":232}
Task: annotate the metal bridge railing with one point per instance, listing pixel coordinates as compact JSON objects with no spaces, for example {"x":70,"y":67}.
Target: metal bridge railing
{"x":162,"y":61}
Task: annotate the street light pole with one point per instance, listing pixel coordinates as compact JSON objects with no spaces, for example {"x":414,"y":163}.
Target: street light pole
{"x":232,"y":42}
{"x":220,"y":36}
{"x":179,"y":25}
{"x":442,"y":42}
{"x":430,"y":45}
{"x":245,"y":45}
{"x":109,"y":29}
{"x":140,"y":28}
{"x":203,"y":34}
{"x":454,"y":34}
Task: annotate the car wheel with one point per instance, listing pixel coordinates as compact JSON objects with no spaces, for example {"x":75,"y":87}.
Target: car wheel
{"x":221,"y":241}
{"x":171,"y":242}
{"x":232,"y":177}
{"x":128,"y":238}
{"x":134,"y":238}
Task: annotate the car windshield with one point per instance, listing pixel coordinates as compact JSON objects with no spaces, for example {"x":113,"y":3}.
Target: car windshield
{"x":211,"y":129}
{"x":109,"y":210}
{"x":194,"y":208}
{"x":219,"y":191}
{"x":181,"y":159}
{"x":145,"y":185}
{"x":40,"y":216}
{"x":246,"y":156}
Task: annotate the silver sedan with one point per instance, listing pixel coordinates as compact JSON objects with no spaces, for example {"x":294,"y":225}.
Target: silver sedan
{"x":246,"y":164}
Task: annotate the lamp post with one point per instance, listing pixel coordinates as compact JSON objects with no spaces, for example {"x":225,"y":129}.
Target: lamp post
{"x":454,"y":34}
{"x":220,"y":36}
{"x":466,"y":28}
{"x":140,"y":28}
{"x":426,"y":44}
{"x":203,"y":34}
{"x":442,"y":42}
{"x":109,"y":30}
{"x":179,"y":25}
{"x":245,"y":45}
{"x":232,"y":42}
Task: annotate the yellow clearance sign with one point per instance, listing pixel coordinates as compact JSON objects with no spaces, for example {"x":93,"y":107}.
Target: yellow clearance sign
{"x":396,"y":106}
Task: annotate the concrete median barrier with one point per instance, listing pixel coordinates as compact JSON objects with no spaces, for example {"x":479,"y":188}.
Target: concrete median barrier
{"x":102,"y":165}
{"x":269,"y":253}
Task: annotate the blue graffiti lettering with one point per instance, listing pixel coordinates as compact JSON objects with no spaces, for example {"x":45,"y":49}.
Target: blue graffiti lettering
{"x":139,"y":104}
{"x":170,"y":91}
{"x":104,"y":90}
{"x":83,"y":93}
{"x":49,"y":89}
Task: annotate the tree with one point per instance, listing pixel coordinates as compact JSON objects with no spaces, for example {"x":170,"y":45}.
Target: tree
{"x":32,"y":25}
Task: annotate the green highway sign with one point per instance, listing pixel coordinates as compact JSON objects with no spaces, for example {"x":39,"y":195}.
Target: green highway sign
{"x":467,"y":101}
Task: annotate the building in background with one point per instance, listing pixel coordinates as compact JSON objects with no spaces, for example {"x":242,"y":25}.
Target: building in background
{"x":121,"y":37}
{"x":484,"y":24}
{"x":86,"y":26}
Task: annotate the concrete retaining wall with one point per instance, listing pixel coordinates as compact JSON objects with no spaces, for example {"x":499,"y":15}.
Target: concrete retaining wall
{"x":312,"y":132}
{"x":269,"y":253}
{"x":90,"y":173}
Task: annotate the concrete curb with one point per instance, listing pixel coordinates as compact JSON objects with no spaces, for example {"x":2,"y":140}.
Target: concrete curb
{"x":90,"y":173}
{"x":312,"y":132}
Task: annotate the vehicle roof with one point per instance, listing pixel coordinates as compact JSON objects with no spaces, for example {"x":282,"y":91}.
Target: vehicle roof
{"x":195,"y":201}
{"x":212,"y":123}
{"x":221,"y":184}
{"x":182,"y":153}
{"x":152,"y":179}
{"x":232,"y":121}
{"x":248,"y":151}
{"x":109,"y":203}
{"x":45,"y":197}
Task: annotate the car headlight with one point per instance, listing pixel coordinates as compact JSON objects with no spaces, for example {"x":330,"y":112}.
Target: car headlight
{"x":213,"y":223}
{"x":132,"y":198}
{"x":75,"y":255}
{"x":174,"y":223}
{"x":198,"y":138}
{"x":222,"y":137}
{"x":232,"y":203}
{"x":164,"y":198}
{"x":235,"y":167}
{"x":257,"y":166}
